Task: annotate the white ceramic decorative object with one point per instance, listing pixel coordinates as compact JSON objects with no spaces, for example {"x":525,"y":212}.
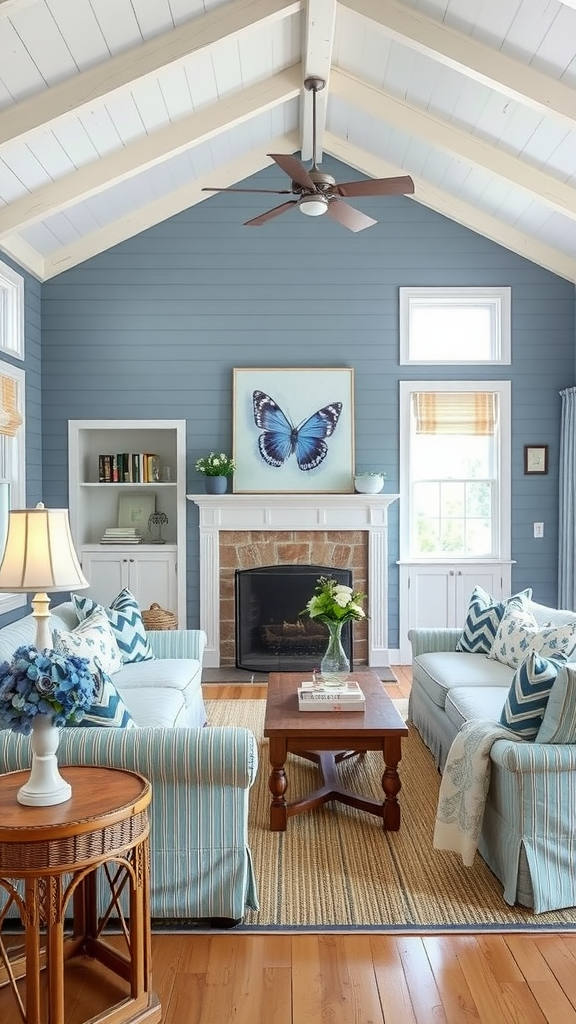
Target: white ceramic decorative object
{"x":45,"y":785}
{"x":369,"y":483}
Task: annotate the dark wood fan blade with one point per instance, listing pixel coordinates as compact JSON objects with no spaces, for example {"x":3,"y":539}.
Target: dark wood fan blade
{"x":257,"y":221}
{"x":294,"y":169}
{"x":272,"y":191}
{"x":350,"y":218}
{"x":377,"y":187}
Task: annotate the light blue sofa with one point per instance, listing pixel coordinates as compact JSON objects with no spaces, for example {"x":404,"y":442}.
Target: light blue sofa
{"x":529,"y":830}
{"x":201,"y":866}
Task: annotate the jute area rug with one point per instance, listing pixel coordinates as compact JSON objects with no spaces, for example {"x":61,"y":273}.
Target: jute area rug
{"x":335,"y":867}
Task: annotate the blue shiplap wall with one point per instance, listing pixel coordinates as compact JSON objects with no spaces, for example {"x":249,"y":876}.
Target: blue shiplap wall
{"x":32,"y":367}
{"x":154,"y":326}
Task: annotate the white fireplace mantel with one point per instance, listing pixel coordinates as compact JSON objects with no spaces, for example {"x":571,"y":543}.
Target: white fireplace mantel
{"x":243,"y":512}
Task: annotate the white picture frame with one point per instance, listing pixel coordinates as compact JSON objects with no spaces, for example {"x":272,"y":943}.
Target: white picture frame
{"x":135,"y":510}
{"x":275,"y":404}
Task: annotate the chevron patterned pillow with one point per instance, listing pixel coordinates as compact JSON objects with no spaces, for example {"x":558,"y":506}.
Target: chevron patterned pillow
{"x":528,"y":694}
{"x":126,"y":621}
{"x":107,"y":708}
{"x":482,"y":621}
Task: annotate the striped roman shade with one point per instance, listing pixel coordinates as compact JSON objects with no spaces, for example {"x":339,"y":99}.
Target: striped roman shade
{"x":455,"y":412}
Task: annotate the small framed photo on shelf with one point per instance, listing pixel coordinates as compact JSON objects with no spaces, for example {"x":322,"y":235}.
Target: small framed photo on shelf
{"x":535,"y":458}
{"x":135,"y":510}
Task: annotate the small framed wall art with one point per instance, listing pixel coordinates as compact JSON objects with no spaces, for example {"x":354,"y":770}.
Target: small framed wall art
{"x":135,"y":510}
{"x":535,"y":458}
{"x":293,"y":430}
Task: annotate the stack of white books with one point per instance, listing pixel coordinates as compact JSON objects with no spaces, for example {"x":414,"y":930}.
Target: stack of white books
{"x":121,"y":535}
{"x":314,"y":697}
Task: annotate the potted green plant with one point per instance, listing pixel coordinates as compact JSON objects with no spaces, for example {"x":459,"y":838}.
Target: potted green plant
{"x":216,"y":469}
{"x":369,"y":482}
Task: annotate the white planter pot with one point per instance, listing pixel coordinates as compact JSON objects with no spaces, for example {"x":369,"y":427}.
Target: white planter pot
{"x":368,"y":484}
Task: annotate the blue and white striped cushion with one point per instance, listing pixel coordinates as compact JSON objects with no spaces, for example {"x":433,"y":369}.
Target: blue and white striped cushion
{"x":482,"y":621}
{"x":529,"y":693}
{"x":126,"y":620}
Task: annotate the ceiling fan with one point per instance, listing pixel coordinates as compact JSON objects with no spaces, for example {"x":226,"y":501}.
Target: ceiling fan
{"x":318,"y":193}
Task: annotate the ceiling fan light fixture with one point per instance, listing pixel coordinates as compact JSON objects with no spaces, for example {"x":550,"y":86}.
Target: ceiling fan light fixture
{"x":313,"y":206}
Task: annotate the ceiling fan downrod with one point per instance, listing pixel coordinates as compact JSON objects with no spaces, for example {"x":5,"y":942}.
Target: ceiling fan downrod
{"x":314,"y":85}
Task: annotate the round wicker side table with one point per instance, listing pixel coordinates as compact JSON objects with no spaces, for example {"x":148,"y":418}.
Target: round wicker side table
{"x":54,"y":852}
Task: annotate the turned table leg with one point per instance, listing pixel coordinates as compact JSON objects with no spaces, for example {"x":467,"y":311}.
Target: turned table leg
{"x":278,"y":784}
{"x":391,"y":784}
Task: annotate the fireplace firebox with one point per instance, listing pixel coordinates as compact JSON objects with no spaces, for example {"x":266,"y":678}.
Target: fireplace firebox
{"x":271,"y":633}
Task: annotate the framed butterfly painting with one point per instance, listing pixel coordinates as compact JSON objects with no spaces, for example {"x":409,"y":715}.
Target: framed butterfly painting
{"x":294,"y":430}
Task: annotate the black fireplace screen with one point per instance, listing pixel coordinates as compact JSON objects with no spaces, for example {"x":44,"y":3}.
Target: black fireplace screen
{"x":271,"y":633}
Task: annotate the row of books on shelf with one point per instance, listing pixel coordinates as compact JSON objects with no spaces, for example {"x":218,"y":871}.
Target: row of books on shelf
{"x":125,"y":468}
{"x":121,"y":535}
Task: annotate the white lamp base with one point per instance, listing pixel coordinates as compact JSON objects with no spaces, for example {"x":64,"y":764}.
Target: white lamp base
{"x":45,"y":785}
{"x":41,"y":613}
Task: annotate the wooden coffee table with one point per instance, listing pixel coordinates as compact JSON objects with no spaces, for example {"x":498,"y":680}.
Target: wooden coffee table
{"x":327,"y":738}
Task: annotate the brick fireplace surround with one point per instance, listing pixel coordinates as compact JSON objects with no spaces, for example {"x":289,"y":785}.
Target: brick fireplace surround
{"x":247,"y":530}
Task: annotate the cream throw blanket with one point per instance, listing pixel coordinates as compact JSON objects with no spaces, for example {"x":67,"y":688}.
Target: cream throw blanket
{"x":464,"y":788}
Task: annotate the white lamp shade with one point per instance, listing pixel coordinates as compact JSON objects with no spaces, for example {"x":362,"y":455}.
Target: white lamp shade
{"x":39,"y":553}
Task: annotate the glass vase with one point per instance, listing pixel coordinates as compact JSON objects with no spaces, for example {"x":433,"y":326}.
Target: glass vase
{"x":334,"y":667}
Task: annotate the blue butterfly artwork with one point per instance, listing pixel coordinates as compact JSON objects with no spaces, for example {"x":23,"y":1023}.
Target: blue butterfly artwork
{"x":280,"y":438}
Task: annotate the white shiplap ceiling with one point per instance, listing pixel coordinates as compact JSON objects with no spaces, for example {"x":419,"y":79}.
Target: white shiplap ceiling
{"x":114,"y":114}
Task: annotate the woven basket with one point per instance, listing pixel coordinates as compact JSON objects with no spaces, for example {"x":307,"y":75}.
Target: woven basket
{"x":157,"y":618}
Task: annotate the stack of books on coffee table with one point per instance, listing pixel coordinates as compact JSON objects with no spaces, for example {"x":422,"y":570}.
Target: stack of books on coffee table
{"x":348,"y":697}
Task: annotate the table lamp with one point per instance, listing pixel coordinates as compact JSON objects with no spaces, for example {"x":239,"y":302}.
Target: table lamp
{"x":39,"y":558}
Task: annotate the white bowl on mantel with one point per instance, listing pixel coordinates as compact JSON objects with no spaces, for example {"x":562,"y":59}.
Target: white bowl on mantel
{"x":369,"y":483}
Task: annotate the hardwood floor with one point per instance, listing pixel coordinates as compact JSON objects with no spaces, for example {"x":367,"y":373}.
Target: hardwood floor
{"x":235,"y":978}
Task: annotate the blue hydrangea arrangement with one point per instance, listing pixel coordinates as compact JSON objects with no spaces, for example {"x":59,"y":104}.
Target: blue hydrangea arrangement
{"x":44,"y":683}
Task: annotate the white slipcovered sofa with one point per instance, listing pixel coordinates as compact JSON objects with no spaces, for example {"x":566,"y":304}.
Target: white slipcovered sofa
{"x":201,"y":866}
{"x":528,"y":835}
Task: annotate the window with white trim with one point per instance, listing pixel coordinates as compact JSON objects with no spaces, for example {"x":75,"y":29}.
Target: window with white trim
{"x":12,"y":459}
{"x":455,"y":325}
{"x":455,"y":469}
{"x":11,"y":312}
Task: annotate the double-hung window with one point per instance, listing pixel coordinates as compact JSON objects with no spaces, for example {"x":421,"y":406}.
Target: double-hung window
{"x":455,"y":457}
{"x":12,"y":412}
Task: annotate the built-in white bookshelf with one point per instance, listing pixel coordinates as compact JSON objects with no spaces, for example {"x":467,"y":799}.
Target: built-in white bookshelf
{"x":157,"y":571}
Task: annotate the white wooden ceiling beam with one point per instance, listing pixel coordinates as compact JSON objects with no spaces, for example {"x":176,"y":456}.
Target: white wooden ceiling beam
{"x":422,"y":124}
{"x":456,"y":209}
{"x":164,"y":208}
{"x":149,"y":58}
{"x":23,"y":254}
{"x":149,"y":150}
{"x":316,"y":59}
{"x":472,"y":58}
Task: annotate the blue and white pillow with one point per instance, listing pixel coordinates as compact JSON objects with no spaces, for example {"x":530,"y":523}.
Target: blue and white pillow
{"x":126,"y":621}
{"x":107,"y":708}
{"x":519,"y":634}
{"x":93,"y":639}
{"x":559,"y":722}
{"x":529,"y":694}
{"x":482,"y":620}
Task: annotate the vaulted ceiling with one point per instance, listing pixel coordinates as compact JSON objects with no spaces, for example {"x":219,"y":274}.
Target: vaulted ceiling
{"x":114,"y":114}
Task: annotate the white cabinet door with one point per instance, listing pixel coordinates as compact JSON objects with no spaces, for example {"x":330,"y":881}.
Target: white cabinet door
{"x":152,"y":578}
{"x":435,"y":596}
{"x":149,"y":575}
